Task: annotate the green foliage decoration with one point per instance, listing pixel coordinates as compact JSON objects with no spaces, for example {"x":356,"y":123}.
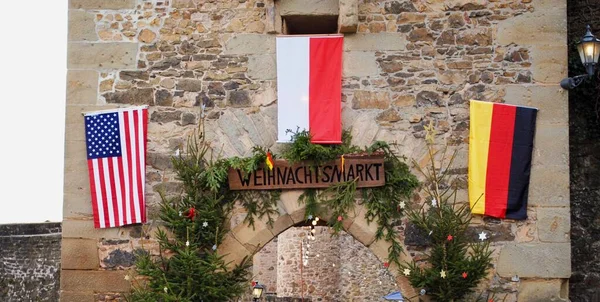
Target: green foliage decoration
{"x":455,"y":263}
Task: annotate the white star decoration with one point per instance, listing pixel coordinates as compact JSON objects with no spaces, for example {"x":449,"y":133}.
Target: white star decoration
{"x":482,"y":236}
{"x":402,"y":204}
{"x":406,"y":272}
{"x":434,"y":203}
{"x":205,"y":224}
{"x":443,"y":274}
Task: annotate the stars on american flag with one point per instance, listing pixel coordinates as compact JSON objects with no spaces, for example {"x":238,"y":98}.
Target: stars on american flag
{"x":102,"y":135}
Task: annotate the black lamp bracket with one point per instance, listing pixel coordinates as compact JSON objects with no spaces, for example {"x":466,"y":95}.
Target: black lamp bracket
{"x":570,"y":83}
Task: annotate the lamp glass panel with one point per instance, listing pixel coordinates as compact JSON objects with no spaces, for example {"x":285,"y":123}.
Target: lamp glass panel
{"x":596,"y":51}
{"x":257,"y":292}
{"x":581,"y":52}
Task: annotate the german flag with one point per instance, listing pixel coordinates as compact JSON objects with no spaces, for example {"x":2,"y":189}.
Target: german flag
{"x":269,"y":161}
{"x":500,"y":149}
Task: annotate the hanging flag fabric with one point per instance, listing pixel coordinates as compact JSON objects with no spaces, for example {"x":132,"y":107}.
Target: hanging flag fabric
{"x":269,"y":161}
{"x":500,"y":150}
{"x":309,"y":87}
{"x":116,"y":157}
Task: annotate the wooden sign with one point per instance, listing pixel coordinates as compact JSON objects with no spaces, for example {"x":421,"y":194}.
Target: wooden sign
{"x":366,"y":168}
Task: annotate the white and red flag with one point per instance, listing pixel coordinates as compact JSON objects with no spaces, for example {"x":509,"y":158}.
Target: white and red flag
{"x":309,"y":87}
{"x":116,"y":156}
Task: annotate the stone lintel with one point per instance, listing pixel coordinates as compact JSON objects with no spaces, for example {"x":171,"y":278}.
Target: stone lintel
{"x":102,"y":4}
{"x":535,"y":260}
{"x":307,"y":7}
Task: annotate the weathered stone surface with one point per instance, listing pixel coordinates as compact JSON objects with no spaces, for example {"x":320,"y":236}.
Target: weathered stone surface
{"x":548,"y":63}
{"x":543,"y":290}
{"x":428,"y":98}
{"x":262,"y":67}
{"x":101,"y":55}
{"x":541,"y":194}
{"x":374,"y":42}
{"x":542,"y":27}
{"x":389,"y":115}
{"x":554,"y":224}
{"x":134,"y":96}
{"x":415,"y":236}
{"x":189,"y":85}
{"x":239,"y":98}
{"x":250,"y":44}
{"x":82,"y":87}
{"x":398,"y":7}
{"x":531,"y":260}
{"x":495,"y":232}
{"x":308,"y":7}
{"x":146,"y":36}
{"x":99,"y":281}
{"x":119,"y":259}
{"x":102,"y":4}
{"x":370,"y":100}
{"x":551,"y":145}
{"x":79,"y":254}
{"x":359,"y":64}
{"x":81,"y":26}
{"x":554,"y":112}
{"x":348,"y":16}
{"x":129,"y":75}
{"x":232,"y":250}
{"x":83,"y":296}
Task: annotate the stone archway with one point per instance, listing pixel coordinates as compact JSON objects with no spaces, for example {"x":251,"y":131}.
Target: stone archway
{"x":244,"y":240}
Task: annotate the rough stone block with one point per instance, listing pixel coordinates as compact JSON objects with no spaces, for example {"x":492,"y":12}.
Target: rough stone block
{"x":77,"y":205}
{"x":549,"y":185}
{"x":543,"y":290}
{"x":289,"y":204}
{"x":250,"y":44}
{"x":79,"y":254}
{"x":84,"y":228}
{"x":102,"y":4}
{"x":554,"y":224}
{"x":81,"y":26}
{"x":69,"y":296}
{"x":348,"y":16}
{"x":359,"y":64}
{"x":374,"y":42}
{"x":531,"y":260}
{"x":362,"y":230}
{"x":233,"y":249}
{"x":282,"y":223}
{"x":551,"y":145}
{"x":262,"y":67}
{"x":253,"y":237}
{"x":544,"y":26}
{"x":184,"y":4}
{"x":101,"y":55}
{"x":82,"y":87}
{"x":308,"y":7}
{"x":97,"y":281}
{"x":549,"y":63}
{"x":551,"y":100}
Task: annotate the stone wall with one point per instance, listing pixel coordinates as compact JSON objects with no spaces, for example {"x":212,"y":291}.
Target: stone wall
{"x":338,"y":268}
{"x":408,"y":63}
{"x":30,"y":262}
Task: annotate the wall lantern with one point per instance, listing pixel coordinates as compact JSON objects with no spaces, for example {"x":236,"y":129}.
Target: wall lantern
{"x":257,"y":291}
{"x":589,"y":49}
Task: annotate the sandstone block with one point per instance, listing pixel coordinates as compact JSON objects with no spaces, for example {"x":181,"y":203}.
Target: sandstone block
{"x":81,"y":26}
{"x":69,"y":296}
{"x":371,"y":100}
{"x":262,"y":67}
{"x":359,"y":64}
{"x":551,"y":100}
{"x":250,"y":44}
{"x":97,"y":281}
{"x":308,"y":7}
{"x":232,"y":250}
{"x":82,"y":87}
{"x":253,"y":237}
{"x":544,"y":26}
{"x":543,"y":290}
{"x":84,"y":228}
{"x":551,"y":145}
{"x":348,"y":16}
{"x":374,"y":42}
{"x":79,"y":254}
{"x":102,"y":55}
{"x":102,"y":4}
{"x":549,"y":63}
{"x":531,"y":260}
{"x":289,"y":204}
{"x":554,"y":224}
{"x":549,"y":185}
{"x":362,"y":230}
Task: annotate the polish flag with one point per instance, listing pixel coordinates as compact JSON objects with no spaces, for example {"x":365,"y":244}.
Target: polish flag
{"x":309,"y":87}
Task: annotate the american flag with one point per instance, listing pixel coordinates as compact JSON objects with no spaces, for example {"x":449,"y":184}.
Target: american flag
{"x":116,"y":155}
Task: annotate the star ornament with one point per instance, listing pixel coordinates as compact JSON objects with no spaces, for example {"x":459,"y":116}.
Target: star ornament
{"x":402,"y":204}
{"x":205,"y":224}
{"x":406,"y":272}
{"x":464,"y":275}
{"x":450,"y":238}
{"x":443,"y":274}
{"x":434,"y":203}
{"x":482,"y":236}
{"x":340,"y":218}
{"x":386,"y":264}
